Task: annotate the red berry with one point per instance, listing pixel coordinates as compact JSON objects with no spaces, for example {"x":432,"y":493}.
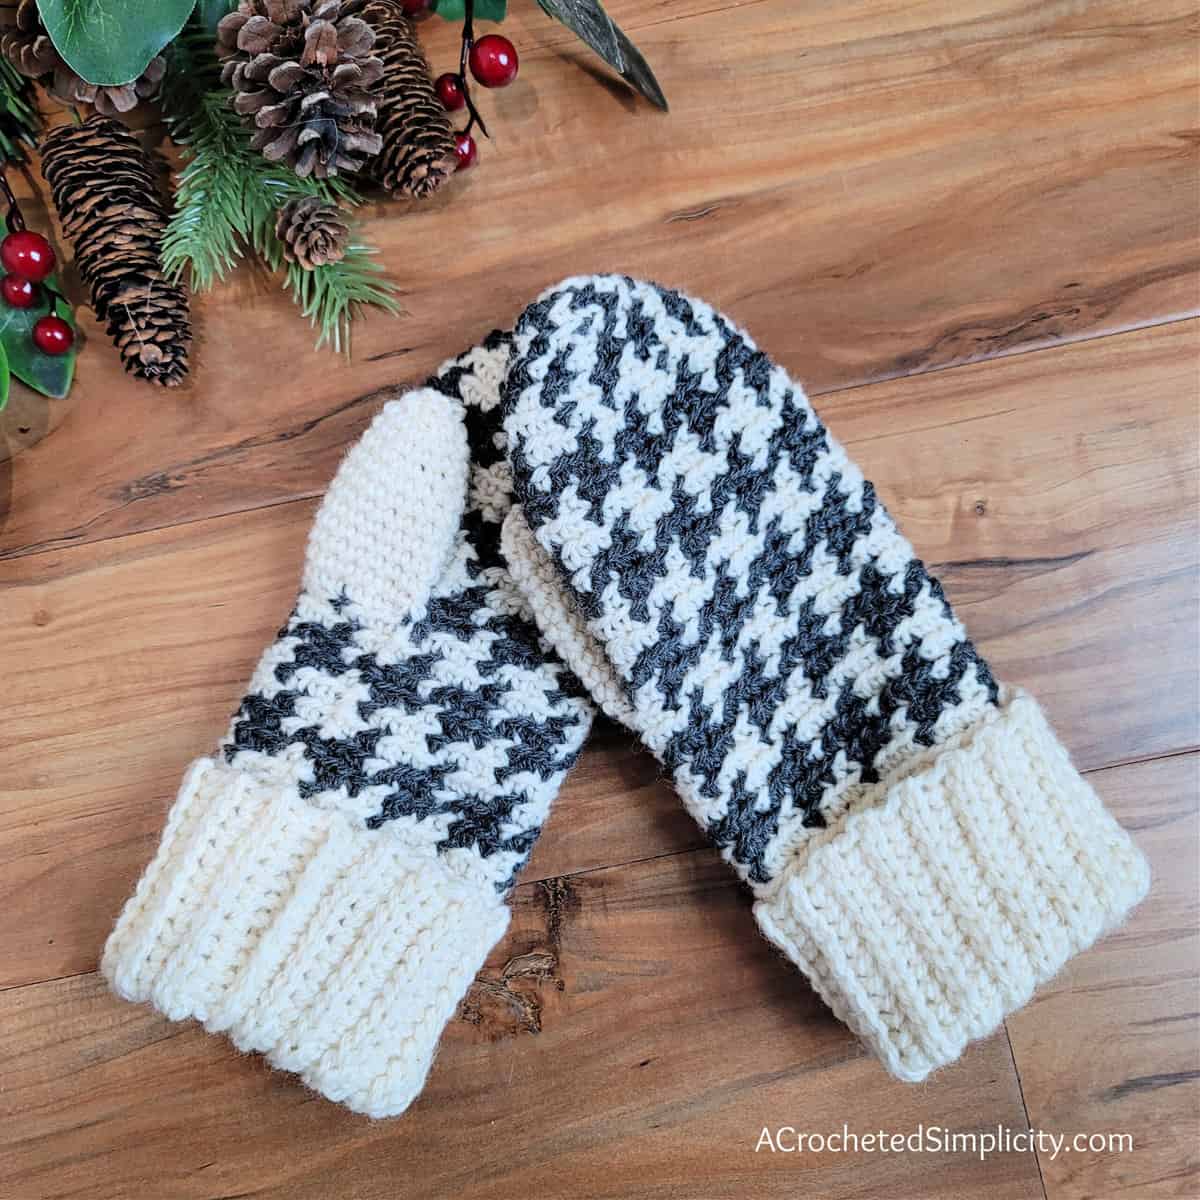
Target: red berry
{"x":449,"y":92}
{"x":27,"y":254}
{"x":465,"y":148}
{"x":494,"y":61}
{"x":18,"y":292}
{"x":52,"y":335}
{"x":415,"y":8}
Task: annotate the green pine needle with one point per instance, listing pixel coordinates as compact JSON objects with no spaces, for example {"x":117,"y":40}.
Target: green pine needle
{"x":19,"y":118}
{"x":206,"y":234}
{"x":331,"y":295}
{"x":228,"y":196}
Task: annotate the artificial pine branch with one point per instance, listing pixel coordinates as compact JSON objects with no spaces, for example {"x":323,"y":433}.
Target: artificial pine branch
{"x":228,"y":197}
{"x":205,"y":236}
{"x":19,"y":117}
{"x":328,"y":296}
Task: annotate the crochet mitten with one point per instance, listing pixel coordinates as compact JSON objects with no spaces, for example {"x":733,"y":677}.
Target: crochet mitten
{"x":329,"y":883}
{"x":720,"y":576}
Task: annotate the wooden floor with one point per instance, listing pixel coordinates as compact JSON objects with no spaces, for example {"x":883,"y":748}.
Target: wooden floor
{"x":970,"y":226}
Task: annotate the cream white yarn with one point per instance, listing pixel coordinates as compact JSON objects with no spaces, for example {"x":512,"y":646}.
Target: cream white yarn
{"x":383,"y":539}
{"x":928,"y":916}
{"x":936,"y":907}
{"x":334,"y":951}
{"x":720,"y":576}
{"x":326,"y":890}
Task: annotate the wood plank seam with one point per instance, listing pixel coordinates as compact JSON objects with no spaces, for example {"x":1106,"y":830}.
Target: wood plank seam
{"x":160,"y":481}
{"x":1024,"y":1104}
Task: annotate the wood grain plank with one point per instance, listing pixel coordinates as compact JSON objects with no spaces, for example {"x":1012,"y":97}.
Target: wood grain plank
{"x":630,"y":1039}
{"x":875,"y":189}
{"x":1077,"y":578}
{"x":1113,"y":1045}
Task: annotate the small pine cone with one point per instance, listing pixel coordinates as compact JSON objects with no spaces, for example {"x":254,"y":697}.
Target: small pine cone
{"x":304,"y":76}
{"x":26,"y":44}
{"x":418,"y":141}
{"x":312,"y":232}
{"x":108,"y":201}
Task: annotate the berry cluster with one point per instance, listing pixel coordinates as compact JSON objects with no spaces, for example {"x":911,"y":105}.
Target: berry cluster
{"x":28,"y":259}
{"x":493,"y":63}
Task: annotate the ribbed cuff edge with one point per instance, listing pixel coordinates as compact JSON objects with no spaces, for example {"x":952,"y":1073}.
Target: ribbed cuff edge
{"x":331,"y":948}
{"x":929,"y":917}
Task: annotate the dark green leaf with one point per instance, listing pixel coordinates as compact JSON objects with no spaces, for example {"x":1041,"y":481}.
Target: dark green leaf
{"x":110,"y":42}
{"x":593,"y":26}
{"x":50,"y":374}
{"x":4,"y":377}
{"x":211,"y":11}
{"x":485,"y":10}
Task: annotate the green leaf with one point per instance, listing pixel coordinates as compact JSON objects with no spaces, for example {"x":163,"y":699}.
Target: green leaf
{"x":485,"y":10}
{"x":210,"y":12}
{"x":595,"y":28}
{"x":110,"y":42}
{"x":50,"y":374}
{"x":5,"y":377}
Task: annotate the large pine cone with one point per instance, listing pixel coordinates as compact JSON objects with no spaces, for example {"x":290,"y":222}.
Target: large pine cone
{"x":27,"y":45}
{"x":312,"y":232}
{"x":418,"y":141}
{"x":108,"y":200}
{"x":304,"y":75}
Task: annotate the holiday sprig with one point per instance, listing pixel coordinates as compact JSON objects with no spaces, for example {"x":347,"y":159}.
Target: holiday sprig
{"x":229,"y":196}
{"x":281,"y":109}
{"x":587,"y":19}
{"x":37,"y":328}
{"x":493,"y":62}
{"x":493,"y":59}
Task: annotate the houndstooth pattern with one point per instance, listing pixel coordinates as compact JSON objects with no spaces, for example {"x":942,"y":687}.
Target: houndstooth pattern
{"x":453,"y":725}
{"x":778,"y":641}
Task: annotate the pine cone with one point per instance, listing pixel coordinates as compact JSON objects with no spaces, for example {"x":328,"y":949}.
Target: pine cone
{"x":304,"y":76}
{"x":312,"y":232}
{"x":108,"y":201}
{"x":418,"y":141}
{"x":27,"y":45}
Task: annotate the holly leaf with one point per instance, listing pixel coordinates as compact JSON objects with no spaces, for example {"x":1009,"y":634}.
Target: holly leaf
{"x":110,"y":42}
{"x":50,"y":374}
{"x":5,"y":377}
{"x":485,"y":10}
{"x":595,"y":28}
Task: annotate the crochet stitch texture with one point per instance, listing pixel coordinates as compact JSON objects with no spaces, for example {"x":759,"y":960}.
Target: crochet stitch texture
{"x":326,"y":888}
{"x":720,"y":576}
{"x":716,"y":574}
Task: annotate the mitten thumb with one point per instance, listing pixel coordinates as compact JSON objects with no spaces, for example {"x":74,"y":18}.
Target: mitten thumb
{"x":388,"y":523}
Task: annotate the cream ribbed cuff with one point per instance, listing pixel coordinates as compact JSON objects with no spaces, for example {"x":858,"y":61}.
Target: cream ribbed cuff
{"x":924,"y":920}
{"x":303,"y":935}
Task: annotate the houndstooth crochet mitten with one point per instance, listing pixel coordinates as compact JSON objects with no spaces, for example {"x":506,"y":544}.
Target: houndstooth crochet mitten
{"x":719,"y":575}
{"x":328,"y":885}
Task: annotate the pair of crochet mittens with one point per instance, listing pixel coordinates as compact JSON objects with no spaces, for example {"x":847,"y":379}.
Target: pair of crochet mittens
{"x":718,"y":576}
